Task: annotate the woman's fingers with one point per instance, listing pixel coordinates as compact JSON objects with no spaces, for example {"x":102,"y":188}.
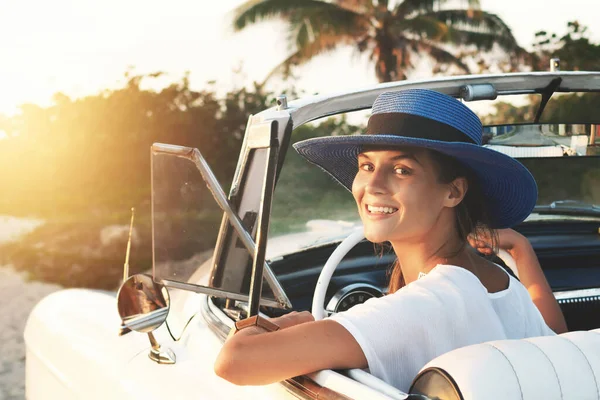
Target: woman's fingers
{"x":478,"y":242}
{"x":481,"y":245}
{"x":486,"y":250}
{"x":293,"y":318}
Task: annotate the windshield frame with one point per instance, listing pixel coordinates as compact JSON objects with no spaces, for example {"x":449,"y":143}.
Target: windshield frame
{"x":298,"y":112}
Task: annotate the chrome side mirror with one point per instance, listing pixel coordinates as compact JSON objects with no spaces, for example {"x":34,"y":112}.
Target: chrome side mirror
{"x":143,"y":307}
{"x":142,"y":303}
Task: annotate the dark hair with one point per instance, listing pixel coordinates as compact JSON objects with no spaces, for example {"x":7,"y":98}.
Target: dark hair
{"x":471,"y":214}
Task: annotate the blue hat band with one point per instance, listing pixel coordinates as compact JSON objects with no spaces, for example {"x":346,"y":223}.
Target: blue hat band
{"x":415,"y":126}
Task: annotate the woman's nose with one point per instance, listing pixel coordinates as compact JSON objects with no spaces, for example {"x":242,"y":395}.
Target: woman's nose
{"x":376,"y":183}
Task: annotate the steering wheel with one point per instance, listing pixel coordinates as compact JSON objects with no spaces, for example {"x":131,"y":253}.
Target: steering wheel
{"x":318,"y":304}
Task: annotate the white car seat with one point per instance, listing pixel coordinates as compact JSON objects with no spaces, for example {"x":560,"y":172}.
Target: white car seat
{"x":559,"y":367}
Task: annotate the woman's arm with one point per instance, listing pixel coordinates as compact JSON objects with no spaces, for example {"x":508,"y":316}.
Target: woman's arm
{"x":530,"y":274}
{"x":254,"y":356}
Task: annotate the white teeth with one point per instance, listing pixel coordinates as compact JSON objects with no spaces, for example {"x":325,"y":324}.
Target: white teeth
{"x":381,"y":210}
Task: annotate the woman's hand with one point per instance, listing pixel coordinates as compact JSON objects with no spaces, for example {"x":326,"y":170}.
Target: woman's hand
{"x":512,"y":241}
{"x":292,"y":319}
{"x":285,"y":321}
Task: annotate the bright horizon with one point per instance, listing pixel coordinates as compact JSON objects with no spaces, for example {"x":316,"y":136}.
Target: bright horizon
{"x":82,"y":47}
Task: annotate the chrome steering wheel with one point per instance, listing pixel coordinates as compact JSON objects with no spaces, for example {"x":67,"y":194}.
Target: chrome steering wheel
{"x":318,"y":304}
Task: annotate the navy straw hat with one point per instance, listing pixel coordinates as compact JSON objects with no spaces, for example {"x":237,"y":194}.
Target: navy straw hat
{"x":432,"y":120}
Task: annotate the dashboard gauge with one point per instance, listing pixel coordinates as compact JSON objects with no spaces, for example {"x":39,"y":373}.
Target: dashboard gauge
{"x":351,"y":295}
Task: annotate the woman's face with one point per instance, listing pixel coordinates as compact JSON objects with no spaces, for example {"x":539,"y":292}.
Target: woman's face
{"x":398,"y":194}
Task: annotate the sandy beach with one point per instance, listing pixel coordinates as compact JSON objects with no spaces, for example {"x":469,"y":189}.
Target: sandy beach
{"x":19,"y":296}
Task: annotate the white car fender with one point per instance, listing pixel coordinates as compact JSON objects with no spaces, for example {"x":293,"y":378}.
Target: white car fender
{"x":73,"y":352}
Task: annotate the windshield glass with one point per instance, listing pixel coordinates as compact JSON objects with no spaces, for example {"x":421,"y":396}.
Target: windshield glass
{"x":186,"y":221}
{"x":310,"y":208}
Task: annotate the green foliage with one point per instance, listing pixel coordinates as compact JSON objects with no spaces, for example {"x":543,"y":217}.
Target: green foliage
{"x":92,"y":154}
{"x":576,"y":53}
{"x":82,"y":164}
{"x":574,"y":49}
{"x":573,"y":108}
{"x":576,"y":108}
{"x":507,"y":113}
{"x":69,"y":252}
{"x":304,"y":192}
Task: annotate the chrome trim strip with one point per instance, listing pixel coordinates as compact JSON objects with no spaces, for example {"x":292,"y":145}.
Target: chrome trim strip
{"x":215,"y":318}
{"x":314,"y":107}
{"x":216,"y":292}
{"x":580,"y":300}
{"x":195,"y":156}
{"x":337,"y":298}
{"x":264,"y":216}
{"x":576,"y":294}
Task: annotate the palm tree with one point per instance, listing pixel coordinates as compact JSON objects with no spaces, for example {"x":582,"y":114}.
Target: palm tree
{"x":393,"y":35}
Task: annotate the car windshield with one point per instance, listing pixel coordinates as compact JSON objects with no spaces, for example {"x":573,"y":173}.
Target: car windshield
{"x":311,"y":209}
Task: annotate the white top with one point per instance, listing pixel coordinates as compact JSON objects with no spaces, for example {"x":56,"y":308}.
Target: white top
{"x":446,"y":309}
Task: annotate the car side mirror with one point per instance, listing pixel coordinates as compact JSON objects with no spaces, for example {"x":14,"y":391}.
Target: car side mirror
{"x":143,"y":307}
{"x":142,"y":303}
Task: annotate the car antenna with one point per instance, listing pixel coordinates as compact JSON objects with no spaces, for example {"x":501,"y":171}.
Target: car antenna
{"x":126,"y":266}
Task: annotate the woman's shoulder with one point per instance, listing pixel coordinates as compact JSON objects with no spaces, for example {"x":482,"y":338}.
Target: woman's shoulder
{"x":444,"y":283}
{"x":491,"y":280}
{"x":444,"y":275}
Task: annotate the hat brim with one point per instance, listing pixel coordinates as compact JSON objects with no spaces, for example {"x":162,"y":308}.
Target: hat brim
{"x":508,"y":187}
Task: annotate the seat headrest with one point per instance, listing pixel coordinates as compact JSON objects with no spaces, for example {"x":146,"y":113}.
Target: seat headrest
{"x":559,"y":367}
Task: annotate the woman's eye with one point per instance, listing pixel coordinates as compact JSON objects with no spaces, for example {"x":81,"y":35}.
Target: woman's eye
{"x":366,"y":167}
{"x":401,"y":171}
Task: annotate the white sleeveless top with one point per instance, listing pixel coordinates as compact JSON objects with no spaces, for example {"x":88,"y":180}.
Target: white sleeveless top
{"x":446,"y":309}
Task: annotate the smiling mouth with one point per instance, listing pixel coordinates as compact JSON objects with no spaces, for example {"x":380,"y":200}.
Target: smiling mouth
{"x":376,"y":210}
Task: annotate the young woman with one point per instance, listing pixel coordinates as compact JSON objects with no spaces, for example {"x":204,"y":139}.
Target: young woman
{"x":422,"y":182}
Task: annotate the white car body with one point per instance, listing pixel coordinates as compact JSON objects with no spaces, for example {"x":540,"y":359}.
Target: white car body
{"x":72,"y":345}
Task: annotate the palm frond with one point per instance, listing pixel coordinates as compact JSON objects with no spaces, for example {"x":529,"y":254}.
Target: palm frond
{"x":357,"y":6}
{"x":439,"y":55}
{"x":408,"y":8}
{"x":484,"y":41}
{"x":306,"y":26}
{"x":322,"y":44}
{"x":422,"y":26}
{"x":479,"y":28}
{"x":253,"y":11}
{"x":383,"y":4}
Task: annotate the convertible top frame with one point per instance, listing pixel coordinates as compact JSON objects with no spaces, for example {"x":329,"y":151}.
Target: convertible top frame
{"x":315,"y":107}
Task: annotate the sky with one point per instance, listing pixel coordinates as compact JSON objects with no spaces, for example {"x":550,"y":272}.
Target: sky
{"x":79,"y":47}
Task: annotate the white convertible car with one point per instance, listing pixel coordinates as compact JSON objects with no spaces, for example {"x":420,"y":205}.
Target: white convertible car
{"x":273,"y":245}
